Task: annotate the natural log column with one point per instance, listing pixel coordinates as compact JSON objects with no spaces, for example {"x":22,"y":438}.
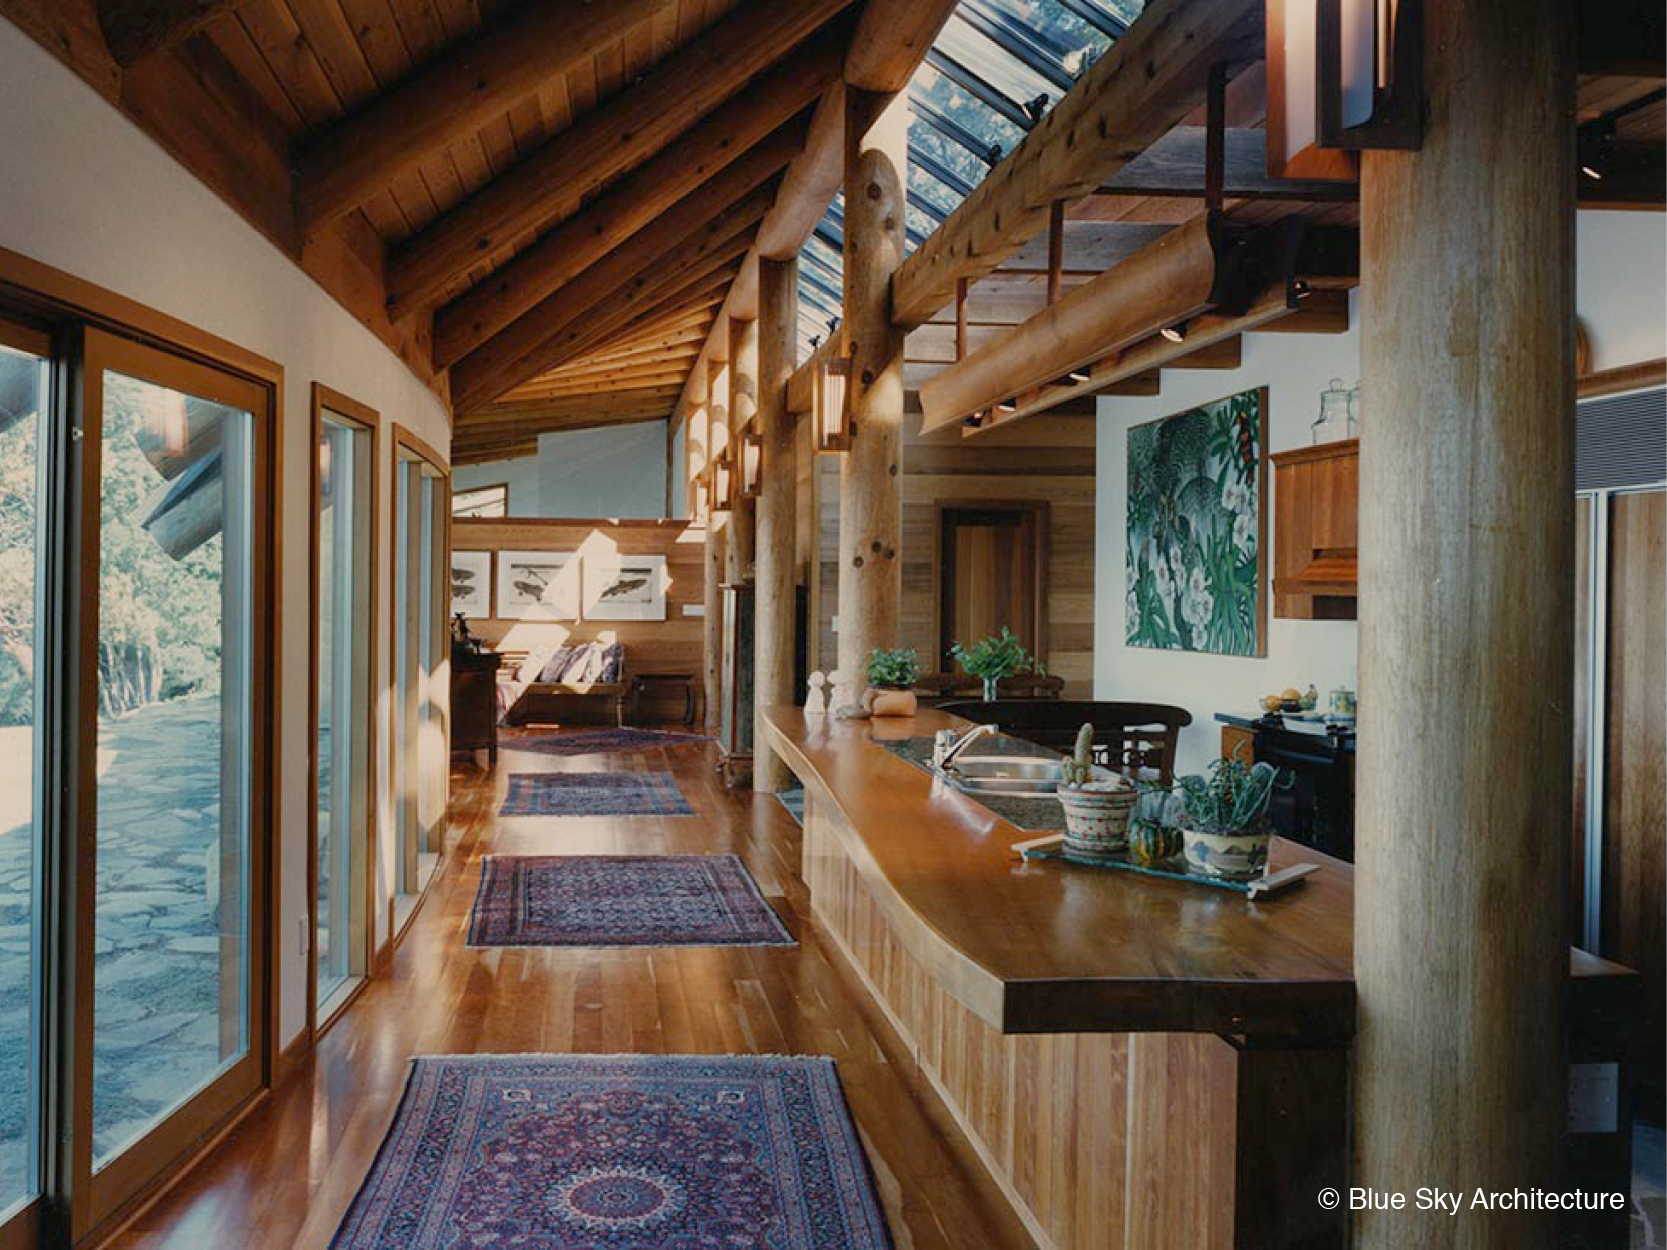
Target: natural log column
{"x":870,"y":478}
{"x":743,"y":404}
{"x":773,"y":621}
{"x":717,"y":524}
{"x":1466,"y":604}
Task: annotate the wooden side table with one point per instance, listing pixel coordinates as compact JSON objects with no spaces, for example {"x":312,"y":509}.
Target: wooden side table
{"x":649,"y":683}
{"x":474,"y":702}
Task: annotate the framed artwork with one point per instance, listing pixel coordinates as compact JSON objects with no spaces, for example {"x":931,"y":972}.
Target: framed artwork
{"x":1196,"y":578}
{"x":625,"y":588}
{"x":538,"y":585}
{"x":471,"y":583}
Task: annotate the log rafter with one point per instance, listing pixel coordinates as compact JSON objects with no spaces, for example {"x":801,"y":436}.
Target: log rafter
{"x":552,"y":183}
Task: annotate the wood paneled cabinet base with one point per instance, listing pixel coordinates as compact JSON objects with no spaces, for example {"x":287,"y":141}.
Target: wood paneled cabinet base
{"x":1316,"y":531}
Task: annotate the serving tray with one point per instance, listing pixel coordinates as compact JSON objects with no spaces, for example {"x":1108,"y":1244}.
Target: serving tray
{"x":1053,"y":847}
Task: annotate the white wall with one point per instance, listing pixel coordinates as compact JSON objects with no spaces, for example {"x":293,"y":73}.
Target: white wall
{"x":1295,"y":368}
{"x":89,"y":193}
{"x":520,"y":474}
{"x":610,"y":471}
{"x":1621,"y":264}
{"x":1619,"y":275}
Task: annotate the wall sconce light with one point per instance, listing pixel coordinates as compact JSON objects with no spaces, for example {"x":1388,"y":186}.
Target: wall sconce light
{"x":833,"y":405}
{"x":1342,"y":75}
{"x":1370,"y":73}
{"x":752,"y":464}
{"x":723,"y":483}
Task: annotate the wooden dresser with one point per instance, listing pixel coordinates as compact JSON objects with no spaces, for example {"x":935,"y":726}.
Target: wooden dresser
{"x":474,"y":702}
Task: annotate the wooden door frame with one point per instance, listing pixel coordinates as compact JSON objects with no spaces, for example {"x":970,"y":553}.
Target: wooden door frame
{"x":66,"y":306}
{"x":369,"y":420}
{"x":100,"y":1199}
{"x":404,"y":440}
{"x":1042,"y":511}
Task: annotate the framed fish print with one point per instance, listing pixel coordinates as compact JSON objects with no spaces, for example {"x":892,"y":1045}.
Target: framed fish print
{"x":621,"y":587}
{"x":538,"y":585}
{"x":471,"y":583}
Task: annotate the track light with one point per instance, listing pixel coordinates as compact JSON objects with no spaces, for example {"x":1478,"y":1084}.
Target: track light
{"x":1078,"y":376}
{"x":1176,"y":333}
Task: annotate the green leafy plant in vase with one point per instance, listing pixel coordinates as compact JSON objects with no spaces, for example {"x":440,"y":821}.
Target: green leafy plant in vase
{"x":1097,"y":803}
{"x":1223,"y":819}
{"x":891,"y":678}
{"x":990,"y":659}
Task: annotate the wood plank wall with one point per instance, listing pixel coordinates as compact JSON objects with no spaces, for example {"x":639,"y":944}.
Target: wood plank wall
{"x":669,"y":646}
{"x":1049,"y":459}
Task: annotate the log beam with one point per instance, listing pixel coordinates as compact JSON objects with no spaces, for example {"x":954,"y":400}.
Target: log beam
{"x":871,"y":472}
{"x":717,"y":536}
{"x":551,"y":184}
{"x":1467,"y":596}
{"x":614,"y":285}
{"x":453,"y":97}
{"x":136,"y":29}
{"x":1141,"y":88}
{"x":777,"y":513}
{"x":709,"y":168}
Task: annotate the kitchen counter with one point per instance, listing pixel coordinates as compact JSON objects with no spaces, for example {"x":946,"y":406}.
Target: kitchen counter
{"x":1138,"y":1062}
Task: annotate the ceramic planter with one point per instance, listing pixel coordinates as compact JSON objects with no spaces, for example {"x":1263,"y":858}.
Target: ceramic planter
{"x":1233,"y":856}
{"x":890,"y":701}
{"x":1097,"y":816}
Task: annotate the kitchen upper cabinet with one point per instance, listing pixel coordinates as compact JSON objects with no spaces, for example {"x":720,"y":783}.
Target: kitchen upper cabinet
{"x":1316,"y":527}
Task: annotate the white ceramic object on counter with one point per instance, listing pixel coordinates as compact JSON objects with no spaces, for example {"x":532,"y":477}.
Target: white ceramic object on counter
{"x":1097,"y":816}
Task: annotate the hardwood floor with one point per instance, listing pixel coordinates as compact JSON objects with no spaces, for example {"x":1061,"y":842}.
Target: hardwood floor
{"x":285,"y":1176}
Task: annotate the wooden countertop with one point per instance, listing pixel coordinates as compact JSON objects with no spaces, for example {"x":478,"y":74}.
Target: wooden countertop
{"x":1045,"y":946}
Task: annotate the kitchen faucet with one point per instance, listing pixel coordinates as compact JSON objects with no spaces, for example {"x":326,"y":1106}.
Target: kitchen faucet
{"x":947,"y":745}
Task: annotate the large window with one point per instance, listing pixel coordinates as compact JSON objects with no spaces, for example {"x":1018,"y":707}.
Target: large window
{"x":421,"y":671}
{"x":23,"y":392}
{"x":344,"y":590}
{"x":135,"y":775}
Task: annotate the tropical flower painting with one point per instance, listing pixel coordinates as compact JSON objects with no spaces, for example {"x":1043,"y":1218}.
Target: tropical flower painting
{"x":1195,"y":532}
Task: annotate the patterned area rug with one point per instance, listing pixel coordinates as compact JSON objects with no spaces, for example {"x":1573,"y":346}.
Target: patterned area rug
{"x":630,"y":1152}
{"x":594,"y":794}
{"x":601,"y":741}
{"x":621,"y":900}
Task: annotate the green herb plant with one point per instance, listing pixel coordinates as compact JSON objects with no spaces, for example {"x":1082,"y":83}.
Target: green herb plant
{"x":897,"y":669}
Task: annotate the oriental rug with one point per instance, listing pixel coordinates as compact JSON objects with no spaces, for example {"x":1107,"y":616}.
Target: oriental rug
{"x":627,"y":1152}
{"x":621,"y":900}
{"x":594,"y":794}
{"x":602,"y":741}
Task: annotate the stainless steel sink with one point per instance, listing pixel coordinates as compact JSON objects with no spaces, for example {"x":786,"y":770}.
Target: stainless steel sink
{"x":1012,"y":776}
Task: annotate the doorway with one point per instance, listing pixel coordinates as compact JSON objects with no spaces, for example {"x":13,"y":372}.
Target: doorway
{"x":992,"y":572}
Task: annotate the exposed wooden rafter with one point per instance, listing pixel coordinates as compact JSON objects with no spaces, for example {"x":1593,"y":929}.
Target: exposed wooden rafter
{"x":453,"y":97}
{"x":519,"y":351}
{"x":1141,"y":88}
{"x":551,"y":184}
{"x":136,"y":29}
{"x":725,"y":156}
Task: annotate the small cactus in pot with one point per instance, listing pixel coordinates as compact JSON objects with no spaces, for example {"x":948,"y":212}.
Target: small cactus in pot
{"x":1096,"y":810}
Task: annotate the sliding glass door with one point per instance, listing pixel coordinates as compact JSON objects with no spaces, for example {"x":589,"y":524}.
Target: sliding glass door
{"x":167,"y":869}
{"x":24,"y":388}
{"x":421,"y":672}
{"x":345,"y":594}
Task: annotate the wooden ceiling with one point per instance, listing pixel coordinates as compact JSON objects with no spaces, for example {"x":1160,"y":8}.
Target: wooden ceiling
{"x":544,"y":205}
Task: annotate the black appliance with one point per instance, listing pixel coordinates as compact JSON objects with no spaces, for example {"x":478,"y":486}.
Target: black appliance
{"x":1314,"y":804}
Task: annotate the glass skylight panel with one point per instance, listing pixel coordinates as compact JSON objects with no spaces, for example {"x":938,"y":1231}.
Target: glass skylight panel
{"x":963,"y":43}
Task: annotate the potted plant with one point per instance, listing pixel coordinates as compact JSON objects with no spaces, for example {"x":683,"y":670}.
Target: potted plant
{"x":1096,"y":809}
{"x":990,"y":659}
{"x":891,"y":678}
{"x":1223,"y":819}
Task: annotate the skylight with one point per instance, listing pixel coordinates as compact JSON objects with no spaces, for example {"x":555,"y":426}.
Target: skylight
{"x":995,"y":70}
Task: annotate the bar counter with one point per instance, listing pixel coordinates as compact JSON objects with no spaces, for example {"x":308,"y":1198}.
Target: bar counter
{"x":1138,"y":1062}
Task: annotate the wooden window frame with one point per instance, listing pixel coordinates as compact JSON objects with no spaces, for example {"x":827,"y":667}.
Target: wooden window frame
{"x":405,"y":441}
{"x":324,"y":399}
{"x":73,"y":309}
